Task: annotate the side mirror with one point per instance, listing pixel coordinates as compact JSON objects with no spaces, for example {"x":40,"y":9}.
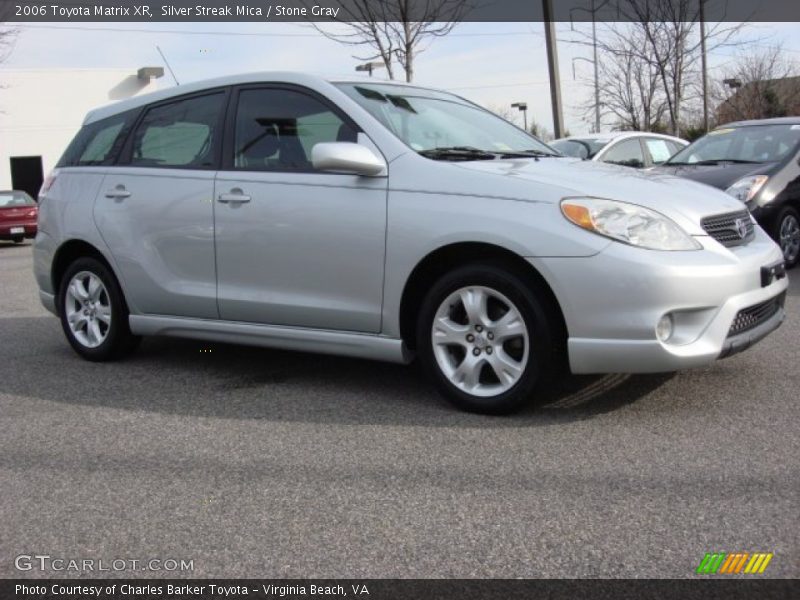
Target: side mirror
{"x":347,"y":157}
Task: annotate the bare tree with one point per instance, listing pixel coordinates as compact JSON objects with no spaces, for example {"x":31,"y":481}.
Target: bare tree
{"x":395,"y":30}
{"x":759,"y":85}
{"x":664,"y":49}
{"x":629,"y":88}
{"x":672,"y":39}
{"x":8,"y":34}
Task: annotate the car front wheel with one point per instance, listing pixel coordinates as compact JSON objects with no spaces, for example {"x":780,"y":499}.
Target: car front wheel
{"x":93,"y":313}
{"x":487,"y":338}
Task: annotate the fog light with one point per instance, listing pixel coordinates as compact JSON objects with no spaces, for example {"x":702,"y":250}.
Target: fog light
{"x":664,"y":328}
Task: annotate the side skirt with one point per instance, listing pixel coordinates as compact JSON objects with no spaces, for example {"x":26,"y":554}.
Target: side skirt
{"x":323,"y":341}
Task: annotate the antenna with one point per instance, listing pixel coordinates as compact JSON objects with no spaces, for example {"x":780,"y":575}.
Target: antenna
{"x":171,"y":72}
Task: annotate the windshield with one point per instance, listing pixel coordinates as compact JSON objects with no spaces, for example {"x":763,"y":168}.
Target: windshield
{"x":749,"y":144}
{"x":579,"y":148}
{"x":427,"y":120}
{"x":11,"y":199}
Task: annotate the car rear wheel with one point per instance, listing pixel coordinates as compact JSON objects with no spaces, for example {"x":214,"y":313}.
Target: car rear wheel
{"x":487,"y":338}
{"x":787,"y":232}
{"x":93,"y":313}
{"x":18,"y":240}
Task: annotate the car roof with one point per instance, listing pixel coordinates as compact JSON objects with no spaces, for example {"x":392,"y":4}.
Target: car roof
{"x":615,"y":135}
{"x":299,"y":78}
{"x":773,"y":121}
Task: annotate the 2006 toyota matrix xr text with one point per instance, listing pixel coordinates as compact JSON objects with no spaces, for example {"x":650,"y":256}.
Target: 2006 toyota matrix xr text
{"x":388,"y":221}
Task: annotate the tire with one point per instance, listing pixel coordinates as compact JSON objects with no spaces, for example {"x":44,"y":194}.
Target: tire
{"x":18,"y":240}
{"x":484,"y":363}
{"x":787,"y":234}
{"x":97,"y":308}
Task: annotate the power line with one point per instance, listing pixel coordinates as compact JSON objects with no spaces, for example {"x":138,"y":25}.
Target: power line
{"x":499,"y":85}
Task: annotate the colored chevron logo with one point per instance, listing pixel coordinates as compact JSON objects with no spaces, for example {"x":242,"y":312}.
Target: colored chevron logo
{"x":732,"y":563}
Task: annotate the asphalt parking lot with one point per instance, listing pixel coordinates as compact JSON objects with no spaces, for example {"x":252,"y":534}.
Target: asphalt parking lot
{"x":266,"y":463}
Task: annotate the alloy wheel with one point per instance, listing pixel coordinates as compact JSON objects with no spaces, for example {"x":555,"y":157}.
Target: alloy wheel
{"x":480,"y":341}
{"x":790,"y":238}
{"x":87,"y":307}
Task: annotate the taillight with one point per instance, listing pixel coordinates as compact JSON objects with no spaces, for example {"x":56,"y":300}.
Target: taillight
{"x":33,"y":213}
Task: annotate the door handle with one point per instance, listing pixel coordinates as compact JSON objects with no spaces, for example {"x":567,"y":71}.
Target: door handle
{"x":236,"y":195}
{"x":118,"y":192}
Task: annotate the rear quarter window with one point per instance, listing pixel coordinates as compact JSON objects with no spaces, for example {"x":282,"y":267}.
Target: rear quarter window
{"x":98,"y":143}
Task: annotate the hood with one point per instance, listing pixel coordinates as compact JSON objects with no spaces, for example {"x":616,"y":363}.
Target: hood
{"x":720,"y":176}
{"x":682,"y":200}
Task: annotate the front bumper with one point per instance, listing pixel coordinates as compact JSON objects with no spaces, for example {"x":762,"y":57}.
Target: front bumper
{"x":613,"y":301}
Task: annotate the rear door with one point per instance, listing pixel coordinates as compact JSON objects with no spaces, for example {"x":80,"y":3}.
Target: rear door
{"x":155,"y":210}
{"x":296,"y":246}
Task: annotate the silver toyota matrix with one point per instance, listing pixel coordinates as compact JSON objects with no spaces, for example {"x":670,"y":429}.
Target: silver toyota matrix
{"x":388,"y":221}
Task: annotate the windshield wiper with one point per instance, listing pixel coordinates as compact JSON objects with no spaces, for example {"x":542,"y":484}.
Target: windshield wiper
{"x":472,"y":153}
{"x":525,"y":154}
{"x":458,"y":153}
{"x":712,"y":162}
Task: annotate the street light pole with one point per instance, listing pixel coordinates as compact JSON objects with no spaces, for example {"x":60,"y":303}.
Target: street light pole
{"x":369,"y":66}
{"x":522,"y":106}
{"x":552,"y":66}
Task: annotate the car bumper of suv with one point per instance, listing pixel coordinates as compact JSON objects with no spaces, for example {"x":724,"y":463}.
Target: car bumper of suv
{"x":716,"y":300}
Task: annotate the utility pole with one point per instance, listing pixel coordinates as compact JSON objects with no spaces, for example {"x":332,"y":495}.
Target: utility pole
{"x":703,"y":61}
{"x":596,"y":76}
{"x":552,"y":66}
{"x":593,"y":11}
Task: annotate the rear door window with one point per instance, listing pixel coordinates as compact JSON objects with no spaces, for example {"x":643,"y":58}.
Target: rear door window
{"x":627,"y":153}
{"x":181,"y":134}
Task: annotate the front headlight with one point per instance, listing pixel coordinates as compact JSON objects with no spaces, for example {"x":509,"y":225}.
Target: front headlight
{"x":628,"y":223}
{"x":747,"y":187}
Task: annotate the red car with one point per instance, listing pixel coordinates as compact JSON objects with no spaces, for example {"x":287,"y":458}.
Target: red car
{"x":18,"y":215}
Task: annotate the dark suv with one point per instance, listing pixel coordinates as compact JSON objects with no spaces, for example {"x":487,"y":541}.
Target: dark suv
{"x":757,"y":162}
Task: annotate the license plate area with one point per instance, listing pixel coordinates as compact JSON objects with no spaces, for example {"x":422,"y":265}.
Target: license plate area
{"x":772,"y":272}
{"x":15,"y":230}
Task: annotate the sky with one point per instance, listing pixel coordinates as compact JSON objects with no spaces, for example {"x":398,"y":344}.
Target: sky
{"x":493,"y":64}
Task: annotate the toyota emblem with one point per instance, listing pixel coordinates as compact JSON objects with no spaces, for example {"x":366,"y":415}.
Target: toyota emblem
{"x":741,"y":227}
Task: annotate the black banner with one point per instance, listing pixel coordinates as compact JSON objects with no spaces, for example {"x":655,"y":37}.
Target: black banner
{"x":392,"y":10}
{"x":734,"y":588}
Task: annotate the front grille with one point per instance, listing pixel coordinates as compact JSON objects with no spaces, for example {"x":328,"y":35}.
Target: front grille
{"x":753,"y":316}
{"x":730,"y":229}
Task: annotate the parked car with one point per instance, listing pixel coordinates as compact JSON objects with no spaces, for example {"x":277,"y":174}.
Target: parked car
{"x":627,"y":148}
{"x":757,"y":162}
{"x":18,"y":214}
{"x":388,"y":221}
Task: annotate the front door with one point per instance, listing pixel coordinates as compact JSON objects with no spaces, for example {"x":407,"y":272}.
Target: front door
{"x":295,"y":246}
